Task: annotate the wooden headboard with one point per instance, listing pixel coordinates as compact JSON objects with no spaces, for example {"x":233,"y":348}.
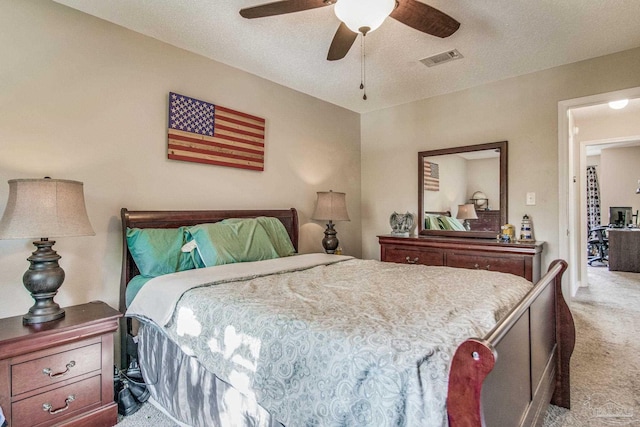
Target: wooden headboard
{"x":446,"y":213}
{"x":175,"y":219}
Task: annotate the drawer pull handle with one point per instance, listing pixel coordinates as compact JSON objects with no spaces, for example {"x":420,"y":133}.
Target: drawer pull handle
{"x":486,"y":267}
{"x":48,"y":408}
{"x":412,"y":261}
{"x":47,"y":371}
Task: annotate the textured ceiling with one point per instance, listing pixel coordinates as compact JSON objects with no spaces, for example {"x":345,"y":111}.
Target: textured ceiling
{"x":498,"y":39}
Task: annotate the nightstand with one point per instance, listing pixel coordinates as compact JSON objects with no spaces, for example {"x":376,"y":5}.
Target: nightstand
{"x":59,"y":372}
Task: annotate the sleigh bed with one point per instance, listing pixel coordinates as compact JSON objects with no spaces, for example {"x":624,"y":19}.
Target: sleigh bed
{"x":291,"y":363}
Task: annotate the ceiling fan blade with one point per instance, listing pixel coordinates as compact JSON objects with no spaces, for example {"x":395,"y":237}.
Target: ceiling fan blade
{"x":425,"y":18}
{"x":341,"y":43}
{"x":282,"y":7}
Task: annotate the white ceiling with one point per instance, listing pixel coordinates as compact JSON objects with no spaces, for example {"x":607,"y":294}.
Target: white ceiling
{"x":498,"y":39}
{"x":603,"y":111}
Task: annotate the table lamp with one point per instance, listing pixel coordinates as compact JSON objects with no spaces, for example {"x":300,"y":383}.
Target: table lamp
{"x":330,"y":206}
{"x":465,"y":213}
{"x":37,"y":208}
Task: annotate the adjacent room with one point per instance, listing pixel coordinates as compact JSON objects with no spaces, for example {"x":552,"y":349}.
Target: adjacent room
{"x":371,"y":171}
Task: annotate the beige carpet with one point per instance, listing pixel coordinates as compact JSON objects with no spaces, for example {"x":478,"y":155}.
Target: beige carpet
{"x":605,"y":368}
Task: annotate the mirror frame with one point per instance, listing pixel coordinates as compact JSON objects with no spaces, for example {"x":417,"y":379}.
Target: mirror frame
{"x":502,"y":145}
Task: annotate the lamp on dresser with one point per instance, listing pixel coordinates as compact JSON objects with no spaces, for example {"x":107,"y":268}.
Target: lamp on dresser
{"x":330,"y":206}
{"x":465,"y":213}
{"x":44,"y":208}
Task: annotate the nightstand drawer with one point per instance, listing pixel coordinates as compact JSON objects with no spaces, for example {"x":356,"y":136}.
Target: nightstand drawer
{"x":406,"y":255}
{"x":52,"y":369}
{"x":513,"y":265}
{"x":62,"y":402}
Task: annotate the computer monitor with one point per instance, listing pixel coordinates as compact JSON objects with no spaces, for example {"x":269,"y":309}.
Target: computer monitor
{"x":620,"y":216}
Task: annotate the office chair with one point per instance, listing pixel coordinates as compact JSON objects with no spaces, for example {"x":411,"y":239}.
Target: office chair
{"x":598,"y":245}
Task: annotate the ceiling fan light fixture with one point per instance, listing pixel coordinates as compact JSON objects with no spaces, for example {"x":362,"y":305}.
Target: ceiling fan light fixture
{"x":357,"y":14}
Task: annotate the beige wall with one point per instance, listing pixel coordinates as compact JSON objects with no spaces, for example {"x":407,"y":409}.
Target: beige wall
{"x":84,"y":99}
{"x":618,"y":176}
{"x":522,"y":110}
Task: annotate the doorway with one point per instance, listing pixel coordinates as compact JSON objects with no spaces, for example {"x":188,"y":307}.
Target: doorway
{"x":572,"y":180}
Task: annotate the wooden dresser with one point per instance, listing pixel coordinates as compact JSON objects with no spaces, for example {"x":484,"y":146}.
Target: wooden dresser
{"x":59,"y":372}
{"x":522,"y":259}
{"x":487,"y":221}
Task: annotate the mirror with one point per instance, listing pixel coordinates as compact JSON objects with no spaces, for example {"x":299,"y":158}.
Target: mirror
{"x":449,"y":177}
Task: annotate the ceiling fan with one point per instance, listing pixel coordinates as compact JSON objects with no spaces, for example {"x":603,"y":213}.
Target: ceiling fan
{"x":361,"y":17}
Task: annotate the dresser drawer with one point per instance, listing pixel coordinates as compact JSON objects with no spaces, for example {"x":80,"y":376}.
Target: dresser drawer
{"x":44,"y":371}
{"x":58,"y":403}
{"x":514,"y":265}
{"x":407,"y":255}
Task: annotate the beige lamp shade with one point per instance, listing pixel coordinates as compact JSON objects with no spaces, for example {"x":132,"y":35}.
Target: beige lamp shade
{"x":467,"y":211}
{"x":331,"y":206}
{"x":44,"y":208}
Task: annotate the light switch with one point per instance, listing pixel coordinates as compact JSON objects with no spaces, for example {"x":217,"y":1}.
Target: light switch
{"x":531,"y":199}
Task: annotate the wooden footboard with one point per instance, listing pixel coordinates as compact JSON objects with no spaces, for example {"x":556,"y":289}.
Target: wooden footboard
{"x":508,"y":377}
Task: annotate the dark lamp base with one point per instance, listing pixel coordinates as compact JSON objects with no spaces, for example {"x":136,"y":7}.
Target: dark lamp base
{"x":330,"y":241}
{"x":42,"y":280}
{"x":44,"y":310}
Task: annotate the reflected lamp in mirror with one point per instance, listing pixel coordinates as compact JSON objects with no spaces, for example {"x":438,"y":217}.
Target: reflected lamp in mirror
{"x":465,"y":213}
{"x":44,"y":208}
{"x":330,"y":206}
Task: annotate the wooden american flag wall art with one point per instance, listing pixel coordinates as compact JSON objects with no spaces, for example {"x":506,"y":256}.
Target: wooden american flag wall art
{"x":431,"y":176}
{"x":202,"y":132}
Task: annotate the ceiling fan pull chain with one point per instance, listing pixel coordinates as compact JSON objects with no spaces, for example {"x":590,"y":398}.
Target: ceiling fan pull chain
{"x":363,"y":66}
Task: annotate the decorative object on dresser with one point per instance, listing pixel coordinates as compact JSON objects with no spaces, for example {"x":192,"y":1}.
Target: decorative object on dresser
{"x":526,"y":229}
{"x":521,"y":259}
{"x":401,"y":224}
{"x":61,"y":372}
{"x":465,"y":213}
{"x":44,"y":208}
{"x":507,"y":234}
{"x":330,"y":206}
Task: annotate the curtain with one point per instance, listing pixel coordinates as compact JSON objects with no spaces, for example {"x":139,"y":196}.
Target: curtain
{"x":593,"y":198}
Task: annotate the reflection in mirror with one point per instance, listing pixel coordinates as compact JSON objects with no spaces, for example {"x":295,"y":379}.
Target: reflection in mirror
{"x":449,"y":178}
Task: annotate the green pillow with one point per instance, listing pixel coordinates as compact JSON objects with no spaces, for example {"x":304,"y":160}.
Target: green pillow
{"x":450,"y":223}
{"x":230,"y":242}
{"x":276,"y":232}
{"x":156,"y":251}
{"x":431,"y":222}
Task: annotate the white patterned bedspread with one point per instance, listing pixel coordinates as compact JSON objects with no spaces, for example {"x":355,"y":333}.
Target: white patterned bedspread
{"x":353,"y":343}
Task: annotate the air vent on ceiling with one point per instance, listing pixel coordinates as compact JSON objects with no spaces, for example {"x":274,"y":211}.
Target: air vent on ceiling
{"x":441,"y":58}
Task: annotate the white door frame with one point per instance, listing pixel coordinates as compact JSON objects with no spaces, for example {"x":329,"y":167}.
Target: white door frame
{"x":569,"y":177}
